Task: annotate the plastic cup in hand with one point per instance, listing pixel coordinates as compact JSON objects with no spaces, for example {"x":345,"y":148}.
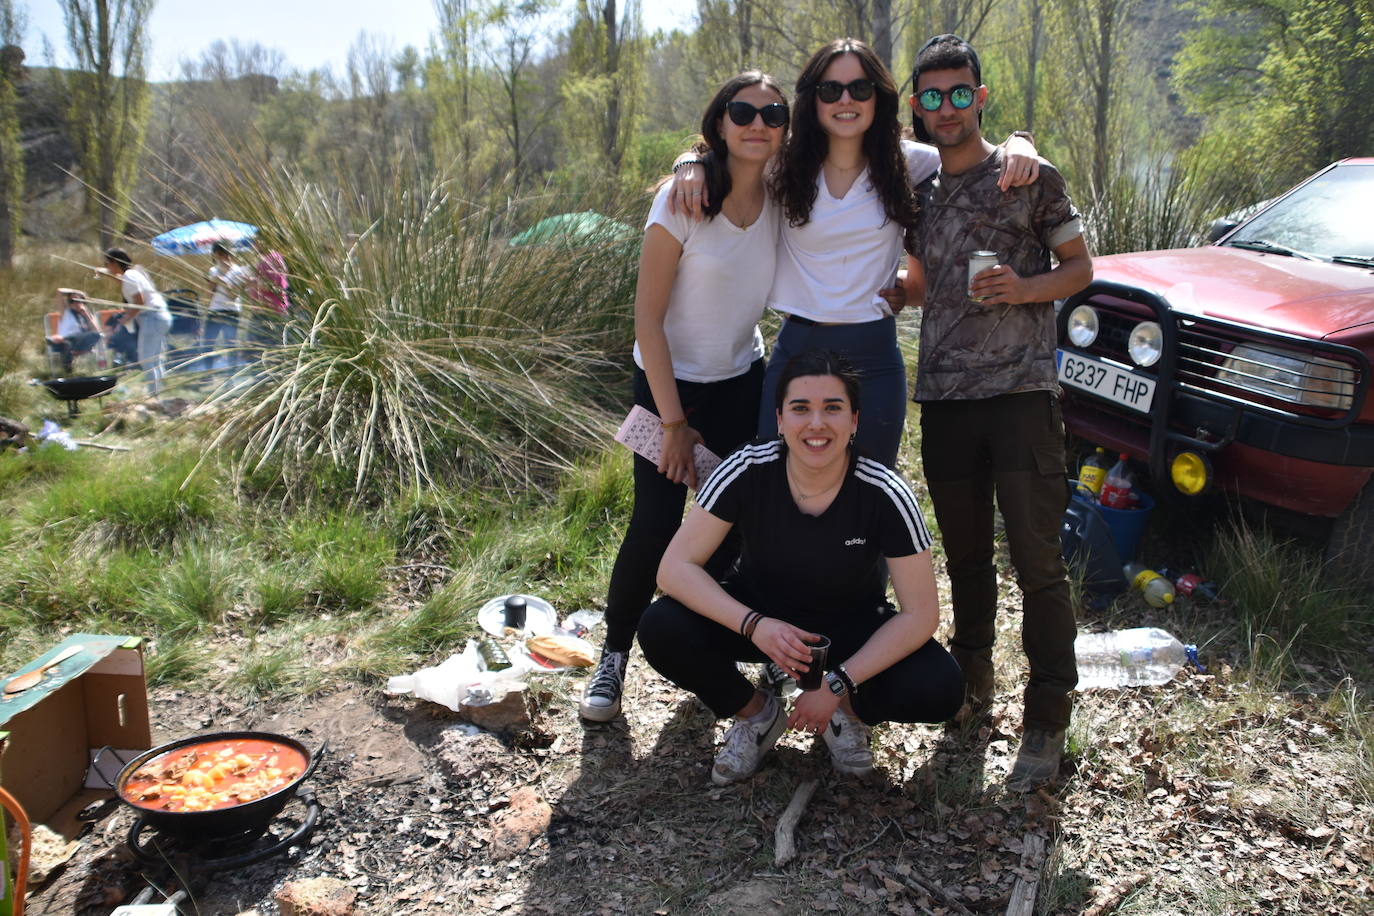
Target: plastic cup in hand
{"x":811,"y":678}
{"x":515,"y":612}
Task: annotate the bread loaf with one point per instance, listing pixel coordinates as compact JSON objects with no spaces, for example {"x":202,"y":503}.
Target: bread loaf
{"x":562,"y":650}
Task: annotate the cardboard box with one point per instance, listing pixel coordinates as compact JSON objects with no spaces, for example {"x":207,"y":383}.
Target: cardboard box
{"x":50,"y":733}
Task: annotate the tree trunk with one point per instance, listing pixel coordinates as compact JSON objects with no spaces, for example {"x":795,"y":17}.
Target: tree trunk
{"x":612,"y":127}
{"x":882,"y":31}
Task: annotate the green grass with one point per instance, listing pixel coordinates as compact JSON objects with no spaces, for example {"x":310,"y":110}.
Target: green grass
{"x":115,"y":501}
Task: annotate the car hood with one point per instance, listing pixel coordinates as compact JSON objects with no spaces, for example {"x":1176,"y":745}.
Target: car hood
{"x":1277,"y":292}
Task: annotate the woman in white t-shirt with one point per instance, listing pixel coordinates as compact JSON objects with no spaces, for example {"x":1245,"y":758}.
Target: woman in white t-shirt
{"x":698,"y":351}
{"x":146,"y":310}
{"x":226,"y":280}
{"x":845,"y":180}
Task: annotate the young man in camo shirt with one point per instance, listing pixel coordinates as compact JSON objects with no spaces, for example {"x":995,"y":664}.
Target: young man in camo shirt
{"x":988,"y":389}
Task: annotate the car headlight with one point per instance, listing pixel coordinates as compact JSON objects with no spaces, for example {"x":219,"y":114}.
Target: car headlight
{"x":1082,"y":327}
{"x":1292,"y":377}
{"x":1146,"y":344}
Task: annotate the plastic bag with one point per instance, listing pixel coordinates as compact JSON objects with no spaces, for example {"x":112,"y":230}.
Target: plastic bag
{"x":460,"y":680}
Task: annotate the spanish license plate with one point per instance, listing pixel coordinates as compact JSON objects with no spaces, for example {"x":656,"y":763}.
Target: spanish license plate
{"x":1106,"y":380}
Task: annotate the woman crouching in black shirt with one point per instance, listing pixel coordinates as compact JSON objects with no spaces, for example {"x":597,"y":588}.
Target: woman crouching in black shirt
{"x":816,"y":522}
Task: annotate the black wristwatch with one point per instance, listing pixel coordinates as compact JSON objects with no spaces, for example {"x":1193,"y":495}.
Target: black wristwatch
{"x":836,"y":684}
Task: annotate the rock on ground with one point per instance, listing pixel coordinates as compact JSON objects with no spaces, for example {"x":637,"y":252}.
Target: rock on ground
{"x":316,"y":897}
{"x":525,"y":820}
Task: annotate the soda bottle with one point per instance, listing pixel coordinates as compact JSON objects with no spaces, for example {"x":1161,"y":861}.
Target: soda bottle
{"x":1138,"y":657}
{"x":1193,"y":585}
{"x":1158,"y":591}
{"x":1116,"y":489}
{"x":1093,"y":471}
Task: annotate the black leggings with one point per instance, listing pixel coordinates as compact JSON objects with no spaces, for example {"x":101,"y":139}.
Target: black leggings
{"x":699,"y":655}
{"x":724,"y":413}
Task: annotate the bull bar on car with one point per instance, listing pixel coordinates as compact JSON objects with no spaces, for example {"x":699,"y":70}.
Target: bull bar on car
{"x":1184,"y":401}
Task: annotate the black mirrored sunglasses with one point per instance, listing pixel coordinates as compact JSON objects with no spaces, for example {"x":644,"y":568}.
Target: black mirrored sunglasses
{"x":829,"y":91}
{"x":742,"y":113}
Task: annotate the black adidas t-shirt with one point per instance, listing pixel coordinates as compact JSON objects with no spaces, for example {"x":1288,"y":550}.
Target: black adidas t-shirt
{"x":803,"y":568}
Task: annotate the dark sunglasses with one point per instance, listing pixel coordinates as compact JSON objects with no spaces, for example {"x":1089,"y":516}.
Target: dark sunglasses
{"x":829,"y":91}
{"x":743,"y":114}
{"x":960,"y":97}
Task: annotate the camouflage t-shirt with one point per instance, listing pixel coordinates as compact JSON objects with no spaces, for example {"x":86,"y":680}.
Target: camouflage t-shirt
{"x":973,"y":349}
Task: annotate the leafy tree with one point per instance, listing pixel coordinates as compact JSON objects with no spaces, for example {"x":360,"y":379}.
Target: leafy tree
{"x":451,"y":73}
{"x":1290,"y":78}
{"x":602,"y":87}
{"x":514,"y":90}
{"x":109,"y":95}
{"x":11,"y":151}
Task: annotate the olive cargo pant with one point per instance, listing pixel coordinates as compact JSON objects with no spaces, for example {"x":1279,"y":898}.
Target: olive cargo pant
{"x":1010,"y":447}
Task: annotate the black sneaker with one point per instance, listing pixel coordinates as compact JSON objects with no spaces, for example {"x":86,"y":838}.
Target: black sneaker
{"x":601,"y":699}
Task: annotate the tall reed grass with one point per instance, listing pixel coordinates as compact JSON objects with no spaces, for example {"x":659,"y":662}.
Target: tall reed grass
{"x":421,"y":345}
{"x":1165,"y":203}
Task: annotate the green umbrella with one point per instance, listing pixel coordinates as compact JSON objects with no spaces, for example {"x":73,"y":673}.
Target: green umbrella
{"x":572,"y":229}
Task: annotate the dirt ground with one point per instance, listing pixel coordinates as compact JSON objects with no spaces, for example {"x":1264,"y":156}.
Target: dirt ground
{"x":413,"y":808}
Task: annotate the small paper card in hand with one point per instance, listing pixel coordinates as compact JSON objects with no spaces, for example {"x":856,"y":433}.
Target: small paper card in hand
{"x":642,"y":433}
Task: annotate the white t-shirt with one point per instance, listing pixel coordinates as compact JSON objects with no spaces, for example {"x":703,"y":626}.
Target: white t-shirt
{"x":136,"y":281}
{"x":227,"y":283}
{"x":70,"y":325}
{"x":831,"y":269}
{"x":722,"y":281}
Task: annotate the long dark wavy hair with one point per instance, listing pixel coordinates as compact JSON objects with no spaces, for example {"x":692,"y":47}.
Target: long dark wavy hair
{"x":794,"y":183}
{"x":712,"y":147}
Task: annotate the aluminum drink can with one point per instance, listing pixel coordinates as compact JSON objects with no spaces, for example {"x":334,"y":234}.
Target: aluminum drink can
{"x":978,"y":262}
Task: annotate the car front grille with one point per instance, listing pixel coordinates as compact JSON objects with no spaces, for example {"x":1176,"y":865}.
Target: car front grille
{"x":1232,"y":363}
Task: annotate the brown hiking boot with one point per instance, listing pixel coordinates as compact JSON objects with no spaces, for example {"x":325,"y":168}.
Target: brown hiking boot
{"x":1037,"y":762}
{"x":979,"y":689}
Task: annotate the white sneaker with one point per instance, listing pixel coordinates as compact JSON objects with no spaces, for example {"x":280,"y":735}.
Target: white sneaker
{"x":848,"y":740}
{"x":601,"y":699}
{"x":747,"y":741}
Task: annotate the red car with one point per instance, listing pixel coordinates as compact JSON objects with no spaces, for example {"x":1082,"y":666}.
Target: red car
{"x":1243,"y":364}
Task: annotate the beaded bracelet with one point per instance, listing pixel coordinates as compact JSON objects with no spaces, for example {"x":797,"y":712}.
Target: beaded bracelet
{"x":686,"y":162}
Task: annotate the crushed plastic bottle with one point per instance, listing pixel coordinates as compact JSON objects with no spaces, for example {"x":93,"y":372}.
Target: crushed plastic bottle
{"x":1138,"y":657}
{"x":1192,"y":585}
{"x":1157,"y":590}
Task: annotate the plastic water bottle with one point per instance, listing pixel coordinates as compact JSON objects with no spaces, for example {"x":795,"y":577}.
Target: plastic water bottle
{"x":1158,"y":591}
{"x":1093,"y":471}
{"x":1139,"y":657}
{"x":1117,"y":488}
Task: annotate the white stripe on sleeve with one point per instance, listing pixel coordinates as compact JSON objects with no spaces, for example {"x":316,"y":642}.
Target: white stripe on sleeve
{"x":897,"y":490}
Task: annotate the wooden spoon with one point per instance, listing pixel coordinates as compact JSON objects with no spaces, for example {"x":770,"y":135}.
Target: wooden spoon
{"x":29,"y":679}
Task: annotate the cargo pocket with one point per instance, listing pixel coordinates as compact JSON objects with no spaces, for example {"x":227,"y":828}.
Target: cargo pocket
{"x":1049,"y":462}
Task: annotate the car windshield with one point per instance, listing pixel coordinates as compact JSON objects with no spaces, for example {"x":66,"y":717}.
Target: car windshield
{"x":1329,"y":217}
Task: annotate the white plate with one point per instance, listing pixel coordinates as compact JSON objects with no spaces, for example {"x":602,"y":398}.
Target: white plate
{"x":1106,"y":380}
{"x":540,"y":617}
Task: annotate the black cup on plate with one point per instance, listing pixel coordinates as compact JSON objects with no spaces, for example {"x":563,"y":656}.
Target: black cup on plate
{"x":515,"y":612}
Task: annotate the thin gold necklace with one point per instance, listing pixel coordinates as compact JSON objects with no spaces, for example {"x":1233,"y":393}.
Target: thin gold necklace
{"x":846,"y":171}
{"x":801,"y":494}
